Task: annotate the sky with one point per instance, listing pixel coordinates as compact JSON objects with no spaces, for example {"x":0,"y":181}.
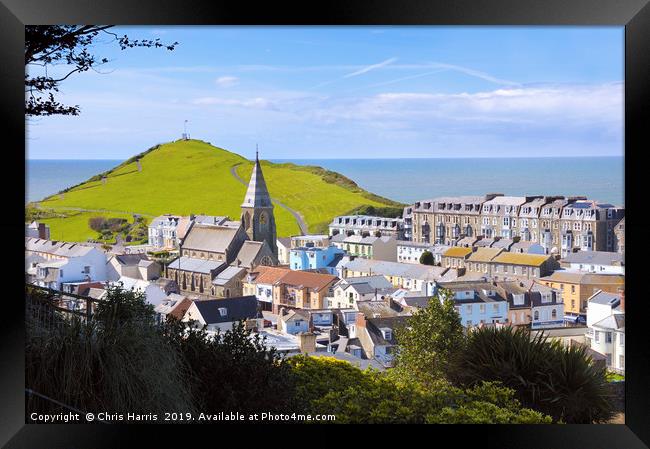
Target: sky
{"x":348,"y":92}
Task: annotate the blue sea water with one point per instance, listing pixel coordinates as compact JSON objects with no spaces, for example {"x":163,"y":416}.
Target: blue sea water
{"x":409,"y":180}
{"x":45,"y":177}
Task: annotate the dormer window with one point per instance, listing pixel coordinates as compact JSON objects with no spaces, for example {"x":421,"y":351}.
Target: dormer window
{"x":387,"y":333}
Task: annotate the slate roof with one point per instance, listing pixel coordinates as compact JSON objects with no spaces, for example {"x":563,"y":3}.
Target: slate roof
{"x":227,"y":275}
{"x":605,"y":298}
{"x":130,"y":259}
{"x":594,"y":258}
{"x":214,"y":239}
{"x":248,"y":252}
{"x":407,"y":270}
{"x":61,"y":249}
{"x":237,"y":309}
{"x":185,"y":263}
{"x":374,"y":326}
{"x":579,"y":277}
{"x":257,"y":194}
{"x":616,"y":322}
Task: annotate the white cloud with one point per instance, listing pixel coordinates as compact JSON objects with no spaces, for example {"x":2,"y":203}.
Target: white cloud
{"x":227,"y":81}
{"x":254,"y":103}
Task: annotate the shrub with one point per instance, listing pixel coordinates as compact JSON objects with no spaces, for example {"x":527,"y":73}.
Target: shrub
{"x":556,"y":380}
{"x":427,"y":258}
{"x":325,"y":385}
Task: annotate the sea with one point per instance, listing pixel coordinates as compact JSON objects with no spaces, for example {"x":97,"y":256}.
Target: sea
{"x":408,"y":180}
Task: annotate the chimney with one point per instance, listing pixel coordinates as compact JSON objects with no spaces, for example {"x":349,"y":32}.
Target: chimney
{"x":621,"y":292}
{"x":43,"y":232}
{"x":307,"y":342}
{"x":283,"y":311}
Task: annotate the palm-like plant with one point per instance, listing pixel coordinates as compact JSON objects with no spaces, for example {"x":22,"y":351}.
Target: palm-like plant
{"x":559,"y":381}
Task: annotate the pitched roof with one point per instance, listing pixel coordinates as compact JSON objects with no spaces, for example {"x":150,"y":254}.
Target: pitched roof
{"x":605,"y":298}
{"x":457,"y":251}
{"x":237,"y":308}
{"x":594,"y":257}
{"x":616,"y":322}
{"x":521,"y":259}
{"x":316,"y":281}
{"x":214,"y":239}
{"x":484,"y":254}
{"x":227,"y":275}
{"x":579,"y":277}
{"x":406,"y":270}
{"x":185,"y":263}
{"x":130,"y":259}
{"x":249,"y":252}
{"x":268,"y":275}
{"x":374,"y":326}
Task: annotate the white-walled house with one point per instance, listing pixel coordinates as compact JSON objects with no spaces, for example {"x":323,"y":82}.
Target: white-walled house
{"x":410,"y":252}
{"x":347,"y":292}
{"x":293,"y":321}
{"x":50,"y":263}
{"x":600,"y":262}
{"x":606,"y":328}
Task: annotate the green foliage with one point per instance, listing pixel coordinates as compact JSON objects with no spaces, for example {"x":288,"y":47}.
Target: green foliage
{"x":387,"y":211}
{"x":427,"y":258}
{"x":231,"y":371}
{"x":117,"y":363}
{"x":327,"y":385}
{"x":429,"y":339}
{"x":556,"y":380}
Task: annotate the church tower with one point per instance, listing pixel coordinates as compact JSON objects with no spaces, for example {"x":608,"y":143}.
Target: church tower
{"x":257,"y":210}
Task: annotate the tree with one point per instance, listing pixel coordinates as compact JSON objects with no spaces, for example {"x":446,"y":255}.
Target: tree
{"x":232,"y":370}
{"x":47,"y":46}
{"x":556,"y":380}
{"x":325,"y":385}
{"x":427,"y":258}
{"x":428,"y":340}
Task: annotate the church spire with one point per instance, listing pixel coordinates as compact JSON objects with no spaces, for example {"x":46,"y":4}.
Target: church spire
{"x":257,"y":195}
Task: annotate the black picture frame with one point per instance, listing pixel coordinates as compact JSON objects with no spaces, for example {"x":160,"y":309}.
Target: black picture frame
{"x":633,"y":14}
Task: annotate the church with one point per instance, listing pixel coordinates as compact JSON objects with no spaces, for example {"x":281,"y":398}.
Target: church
{"x":213,"y":259}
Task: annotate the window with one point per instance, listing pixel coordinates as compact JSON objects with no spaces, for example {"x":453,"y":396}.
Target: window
{"x":573,"y":289}
{"x":482,"y":308}
{"x":536,"y":315}
{"x":621,"y":361}
{"x":495,"y":308}
{"x":621,"y":340}
{"x":87,"y":269}
{"x":553,"y":314}
{"x":61,"y":273}
{"x":597,"y":337}
{"x":468,"y":308}
{"x":609,"y":359}
{"x":608,"y":337}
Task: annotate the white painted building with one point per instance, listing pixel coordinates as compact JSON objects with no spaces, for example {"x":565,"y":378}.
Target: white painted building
{"x":478,"y":303}
{"x":606,"y":328}
{"x":50,"y":263}
{"x":600,"y":262}
{"x":410,"y":252}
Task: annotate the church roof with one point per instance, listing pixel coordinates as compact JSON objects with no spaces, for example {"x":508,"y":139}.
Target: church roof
{"x":257,"y":194}
{"x":214,"y":239}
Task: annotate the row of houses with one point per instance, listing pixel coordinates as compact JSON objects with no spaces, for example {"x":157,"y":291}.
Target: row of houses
{"x":559,"y":224}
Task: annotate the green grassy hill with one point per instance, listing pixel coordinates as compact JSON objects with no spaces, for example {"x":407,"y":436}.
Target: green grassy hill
{"x":192,"y":176}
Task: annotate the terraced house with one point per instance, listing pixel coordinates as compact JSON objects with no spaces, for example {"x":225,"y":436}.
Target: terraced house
{"x":589,"y":226}
{"x":367,"y":225}
{"x":560,"y":225}
{"x":445,"y":220}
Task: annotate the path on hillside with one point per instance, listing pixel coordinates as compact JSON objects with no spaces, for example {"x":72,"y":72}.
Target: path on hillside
{"x":299,"y":219}
{"x":81,"y":209}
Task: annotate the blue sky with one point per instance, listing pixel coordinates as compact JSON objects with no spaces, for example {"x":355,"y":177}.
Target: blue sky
{"x":350,"y":92}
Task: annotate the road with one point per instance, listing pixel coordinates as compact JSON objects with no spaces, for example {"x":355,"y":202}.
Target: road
{"x":299,"y":219}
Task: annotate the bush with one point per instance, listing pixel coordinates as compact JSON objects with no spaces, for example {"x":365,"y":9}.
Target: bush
{"x":556,"y":380}
{"x":97,"y":224}
{"x":117,"y":363}
{"x":325,"y":385}
{"x":232,"y":371}
{"x":427,"y":258}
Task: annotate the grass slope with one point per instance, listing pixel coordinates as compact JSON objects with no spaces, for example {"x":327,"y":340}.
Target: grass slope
{"x":186,"y":177}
